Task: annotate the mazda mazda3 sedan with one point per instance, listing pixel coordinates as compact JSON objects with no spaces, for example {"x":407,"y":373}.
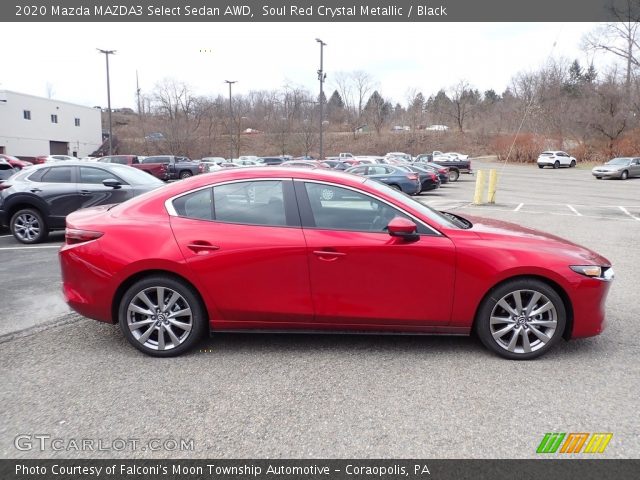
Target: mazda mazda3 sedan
{"x":285,"y":249}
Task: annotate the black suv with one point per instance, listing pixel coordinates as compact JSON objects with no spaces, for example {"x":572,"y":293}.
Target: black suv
{"x":38,"y":199}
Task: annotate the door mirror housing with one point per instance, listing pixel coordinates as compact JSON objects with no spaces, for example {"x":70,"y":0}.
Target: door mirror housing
{"x":111,"y":182}
{"x":403,"y":228}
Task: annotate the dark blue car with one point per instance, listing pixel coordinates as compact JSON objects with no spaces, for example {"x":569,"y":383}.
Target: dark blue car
{"x":394,"y":176}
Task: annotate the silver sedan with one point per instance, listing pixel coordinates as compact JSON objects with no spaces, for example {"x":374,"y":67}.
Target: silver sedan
{"x":622,"y":168}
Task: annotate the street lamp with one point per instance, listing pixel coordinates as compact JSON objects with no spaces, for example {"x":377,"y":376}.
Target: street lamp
{"x":321,"y":76}
{"x":230,"y":82}
{"x":106,"y":54}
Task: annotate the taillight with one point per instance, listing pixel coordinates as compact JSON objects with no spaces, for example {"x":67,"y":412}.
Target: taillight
{"x":433,"y":176}
{"x":75,"y":235}
{"x":4,"y":186}
{"x":412,"y":176}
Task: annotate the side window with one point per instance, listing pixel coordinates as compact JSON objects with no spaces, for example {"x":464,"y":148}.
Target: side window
{"x":37,"y":175}
{"x":337,"y":208}
{"x":251,"y":203}
{"x":57,"y":175}
{"x":197,"y":205}
{"x":120,"y":160}
{"x":359,"y":170}
{"x":95,"y":175}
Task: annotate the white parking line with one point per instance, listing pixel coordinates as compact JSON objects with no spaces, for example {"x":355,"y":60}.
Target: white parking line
{"x":574,"y":210}
{"x":518,"y":207}
{"x":627,"y":212}
{"x":42,"y":247}
{"x":3,"y":236}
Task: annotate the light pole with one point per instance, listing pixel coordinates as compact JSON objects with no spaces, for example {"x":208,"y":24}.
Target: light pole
{"x":106,"y":54}
{"x":230,"y":82}
{"x":321,"y":77}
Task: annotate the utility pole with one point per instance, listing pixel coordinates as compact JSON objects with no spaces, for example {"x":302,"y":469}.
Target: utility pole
{"x":321,"y":76}
{"x":230,"y":82}
{"x":107,"y":53}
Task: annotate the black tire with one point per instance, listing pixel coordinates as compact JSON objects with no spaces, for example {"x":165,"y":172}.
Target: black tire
{"x":454,"y":175}
{"x":624,"y":175}
{"x":28,"y":226}
{"x":396,"y":187}
{"x":572,"y":164}
{"x":160,"y":322}
{"x":185,"y":174}
{"x":556,"y":164}
{"x":527,"y":288}
{"x":540,"y":166}
{"x":599,"y":178}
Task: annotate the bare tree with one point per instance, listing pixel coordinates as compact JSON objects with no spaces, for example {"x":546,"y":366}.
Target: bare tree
{"x":620,"y":38}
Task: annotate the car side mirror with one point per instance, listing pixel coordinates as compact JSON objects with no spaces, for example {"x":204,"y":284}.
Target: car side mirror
{"x":111,"y":182}
{"x":403,"y":228}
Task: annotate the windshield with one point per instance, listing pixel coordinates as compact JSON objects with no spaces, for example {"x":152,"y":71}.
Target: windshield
{"x":133,"y":176}
{"x":619,"y":161}
{"x":406,"y":200}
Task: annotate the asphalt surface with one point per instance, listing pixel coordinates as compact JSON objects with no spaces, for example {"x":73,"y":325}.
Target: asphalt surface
{"x":298,"y":396}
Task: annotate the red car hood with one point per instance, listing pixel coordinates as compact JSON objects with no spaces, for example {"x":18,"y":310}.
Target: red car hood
{"x":499,"y":230}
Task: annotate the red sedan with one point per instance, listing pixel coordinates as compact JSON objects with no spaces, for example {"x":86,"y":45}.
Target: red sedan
{"x":16,"y":162}
{"x":286,"y":249}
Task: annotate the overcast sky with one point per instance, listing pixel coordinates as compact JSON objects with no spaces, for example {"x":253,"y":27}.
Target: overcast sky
{"x":62,"y":57}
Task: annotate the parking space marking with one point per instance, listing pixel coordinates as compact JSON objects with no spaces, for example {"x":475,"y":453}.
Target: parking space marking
{"x":627,"y":212}
{"x":574,"y":210}
{"x":518,"y":207}
{"x":3,"y":236}
{"x":41,"y":247}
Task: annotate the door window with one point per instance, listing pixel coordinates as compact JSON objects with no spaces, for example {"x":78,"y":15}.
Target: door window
{"x":251,"y":203}
{"x":95,"y":175}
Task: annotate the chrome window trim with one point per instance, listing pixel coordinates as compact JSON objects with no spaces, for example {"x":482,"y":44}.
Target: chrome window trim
{"x":421,"y":222}
{"x":168,"y":204}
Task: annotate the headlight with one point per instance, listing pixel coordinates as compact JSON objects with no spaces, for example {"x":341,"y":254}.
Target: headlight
{"x":594,"y":271}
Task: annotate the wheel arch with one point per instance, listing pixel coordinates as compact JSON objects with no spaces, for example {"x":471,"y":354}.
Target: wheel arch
{"x":124,"y":286}
{"x":23,"y":201}
{"x":568,"y":328}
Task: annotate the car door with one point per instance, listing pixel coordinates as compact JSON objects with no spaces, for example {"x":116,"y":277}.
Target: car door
{"x":360,"y":275}
{"x":57,"y":187}
{"x":93,"y":192}
{"x":635,"y":168}
{"x":244,"y":242}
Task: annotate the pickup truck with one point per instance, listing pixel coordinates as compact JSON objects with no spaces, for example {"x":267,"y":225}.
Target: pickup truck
{"x":342,"y":156}
{"x":456,"y":165}
{"x":168,"y":167}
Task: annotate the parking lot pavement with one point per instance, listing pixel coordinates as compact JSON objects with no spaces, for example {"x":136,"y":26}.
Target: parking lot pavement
{"x":30,"y":284}
{"x":298,"y":396}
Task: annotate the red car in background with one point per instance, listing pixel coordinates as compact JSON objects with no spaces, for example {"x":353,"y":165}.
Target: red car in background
{"x":285,"y":249}
{"x":15,"y":162}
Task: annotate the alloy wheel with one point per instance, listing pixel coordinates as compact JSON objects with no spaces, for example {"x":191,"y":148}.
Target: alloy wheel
{"x":26,"y":227}
{"x":159,"y":318}
{"x":523,"y":321}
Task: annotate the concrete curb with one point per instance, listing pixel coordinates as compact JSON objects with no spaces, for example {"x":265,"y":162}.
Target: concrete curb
{"x":66,"y":319}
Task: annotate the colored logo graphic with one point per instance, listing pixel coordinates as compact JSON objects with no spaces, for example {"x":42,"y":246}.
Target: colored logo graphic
{"x":574,"y":442}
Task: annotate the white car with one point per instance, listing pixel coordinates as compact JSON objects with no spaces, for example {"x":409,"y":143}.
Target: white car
{"x":460,"y":156}
{"x":556,"y":159}
{"x":399,"y":155}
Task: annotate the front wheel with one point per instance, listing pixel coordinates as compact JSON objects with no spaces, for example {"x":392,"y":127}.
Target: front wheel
{"x":572,"y":164}
{"x":540,"y":166}
{"x":28,"y":226}
{"x":161,"y":316}
{"x":521,"y":319}
{"x":185,"y":174}
{"x":454,"y":175}
{"x":624,"y":175}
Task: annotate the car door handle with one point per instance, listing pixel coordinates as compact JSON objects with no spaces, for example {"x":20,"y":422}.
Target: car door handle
{"x":84,"y":193}
{"x":35,"y":190}
{"x":202,"y":248}
{"x":328,"y":255}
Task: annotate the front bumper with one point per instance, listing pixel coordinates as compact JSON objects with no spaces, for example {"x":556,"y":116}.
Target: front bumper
{"x":606,"y":174}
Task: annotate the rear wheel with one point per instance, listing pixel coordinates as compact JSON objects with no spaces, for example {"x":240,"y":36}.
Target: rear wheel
{"x":556,"y":164}
{"x":28,"y":226}
{"x":161,"y":316}
{"x":454,"y":175}
{"x":185,"y":174}
{"x":396,"y":187}
{"x":624,"y":175}
{"x":540,"y":166}
{"x":521,"y":319}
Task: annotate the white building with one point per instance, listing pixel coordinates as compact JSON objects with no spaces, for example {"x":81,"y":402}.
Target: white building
{"x":32,"y":126}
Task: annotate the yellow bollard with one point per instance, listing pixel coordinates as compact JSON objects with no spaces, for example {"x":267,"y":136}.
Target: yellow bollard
{"x":477,"y":197}
{"x":493,"y":185}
